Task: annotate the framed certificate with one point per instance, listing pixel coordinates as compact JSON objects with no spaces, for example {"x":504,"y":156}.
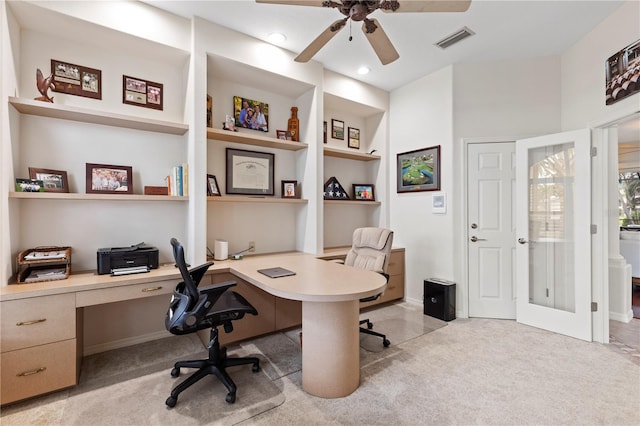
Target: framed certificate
{"x":249,"y":172}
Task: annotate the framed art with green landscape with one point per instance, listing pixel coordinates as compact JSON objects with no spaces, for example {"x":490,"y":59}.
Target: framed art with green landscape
{"x":419,"y":170}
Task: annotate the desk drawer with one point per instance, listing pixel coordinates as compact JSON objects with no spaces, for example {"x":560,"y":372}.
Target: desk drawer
{"x":37,"y":321}
{"x":124,"y":292}
{"x":37,"y":370}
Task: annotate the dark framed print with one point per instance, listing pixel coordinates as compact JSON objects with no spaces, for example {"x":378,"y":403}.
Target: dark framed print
{"x":284,"y":135}
{"x":337,"y":129}
{"x":622,"y":72}
{"x":109,"y":179}
{"x":363,"y":192}
{"x":419,"y":170}
{"x":251,"y":114}
{"x":290,"y":189}
{"x":324,"y":131}
{"x":143,"y":93}
{"x":53,"y":180}
{"x":76,"y":80}
{"x":249,"y":172}
{"x":354,"y":138}
{"x":213,"y":189}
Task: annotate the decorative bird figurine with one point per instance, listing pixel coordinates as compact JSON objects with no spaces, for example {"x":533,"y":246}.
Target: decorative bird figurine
{"x":43,"y":85}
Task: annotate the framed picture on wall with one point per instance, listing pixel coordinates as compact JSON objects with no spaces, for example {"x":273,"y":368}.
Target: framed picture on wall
{"x":249,"y":172}
{"x":143,"y":93}
{"x":354,"y":138}
{"x":251,"y":114}
{"x":337,"y":129}
{"x":76,"y":79}
{"x":419,"y":170}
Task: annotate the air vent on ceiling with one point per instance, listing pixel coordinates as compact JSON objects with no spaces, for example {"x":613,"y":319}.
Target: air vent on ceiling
{"x":454,"y":38}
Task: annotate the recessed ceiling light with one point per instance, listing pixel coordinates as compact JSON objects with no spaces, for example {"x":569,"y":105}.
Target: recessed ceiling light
{"x":277,"y":38}
{"x":363,"y":70}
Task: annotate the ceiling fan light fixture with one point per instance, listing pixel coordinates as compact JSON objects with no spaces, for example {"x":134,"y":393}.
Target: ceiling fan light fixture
{"x":364,"y":70}
{"x":454,"y":38}
{"x":277,"y":38}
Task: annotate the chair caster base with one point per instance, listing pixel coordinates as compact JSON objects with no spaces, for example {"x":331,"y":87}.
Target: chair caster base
{"x":175,"y":372}
{"x":231,"y":397}
{"x":171,"y":402}
{"x":386,"y":343}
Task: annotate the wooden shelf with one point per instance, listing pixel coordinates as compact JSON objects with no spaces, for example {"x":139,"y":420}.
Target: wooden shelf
{"x":351,"y":155}
{"x":77,"y":196}
{"x":253,"y":139}
{"x":353,"y":202}
{"x":66,"y":112}
{"x":255,"y":199}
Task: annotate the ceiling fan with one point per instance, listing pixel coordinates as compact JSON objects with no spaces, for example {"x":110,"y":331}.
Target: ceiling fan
{"x":360,"y":11}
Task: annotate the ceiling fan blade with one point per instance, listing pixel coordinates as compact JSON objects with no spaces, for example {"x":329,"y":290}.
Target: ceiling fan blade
{"x":321,"y":40}
{"x":317,"y":3}
{"x":404,"y":6}
{"x":379,"y":41}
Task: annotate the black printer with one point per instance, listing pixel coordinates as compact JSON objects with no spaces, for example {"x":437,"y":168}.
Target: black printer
{"x":127,"y":260}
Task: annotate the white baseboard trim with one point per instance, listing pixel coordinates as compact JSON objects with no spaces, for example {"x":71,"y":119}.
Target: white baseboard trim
{"x":123,"y":343}
{"x":625,"y":318}
{"x":417,"y":302}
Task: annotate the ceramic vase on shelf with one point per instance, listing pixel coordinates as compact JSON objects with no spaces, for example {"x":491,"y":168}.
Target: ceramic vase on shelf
{"x":294,"y":125}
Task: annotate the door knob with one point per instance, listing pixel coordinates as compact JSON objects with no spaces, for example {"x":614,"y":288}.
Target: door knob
{"x":522,"y":241}
{"x":475,"y":239}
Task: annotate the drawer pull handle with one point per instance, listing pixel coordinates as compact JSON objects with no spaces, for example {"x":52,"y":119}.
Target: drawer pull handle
{"x":31,"y":322}
{"x":29,"y":373}
{"x":146,"y":290}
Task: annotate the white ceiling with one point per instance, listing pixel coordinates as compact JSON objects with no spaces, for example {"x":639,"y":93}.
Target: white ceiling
{"x":504,"y":30}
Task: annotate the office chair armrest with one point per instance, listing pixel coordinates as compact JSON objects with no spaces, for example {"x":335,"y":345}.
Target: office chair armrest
{"x":198,"y":272}
{"x":217,"y":288}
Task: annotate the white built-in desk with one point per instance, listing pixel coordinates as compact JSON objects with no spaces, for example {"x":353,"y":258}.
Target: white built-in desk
{"x":41,"y":330}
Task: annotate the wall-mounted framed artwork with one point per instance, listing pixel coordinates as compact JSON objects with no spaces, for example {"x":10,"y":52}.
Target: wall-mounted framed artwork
{"x":142,"y":93}
{"x":419,"y":170}
{"x":337,"y":129}
{"x":622,"y":73}
{"x":249,"y":172}
{"x":354,"y":138}
{"x":76,"y":80}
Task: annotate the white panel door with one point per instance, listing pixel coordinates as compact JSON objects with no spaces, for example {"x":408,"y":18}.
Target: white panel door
{"x":491,"y":230}
{"x":553,"y":201}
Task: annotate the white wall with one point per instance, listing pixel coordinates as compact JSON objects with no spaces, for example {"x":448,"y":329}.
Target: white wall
{"x":498,"y":100}
{"x":422,"y":116}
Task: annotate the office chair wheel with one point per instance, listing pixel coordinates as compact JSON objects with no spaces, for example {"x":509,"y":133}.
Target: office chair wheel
{"x":175,"y":372}
{"x":386,"y":343}
{"x":369,"y":325}
{"x":255,"y":368}
{"x":171,"y":401}
{"x":231,"y":397}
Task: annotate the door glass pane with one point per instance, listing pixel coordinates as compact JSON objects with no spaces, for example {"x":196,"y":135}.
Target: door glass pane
{"x":551,"y":239}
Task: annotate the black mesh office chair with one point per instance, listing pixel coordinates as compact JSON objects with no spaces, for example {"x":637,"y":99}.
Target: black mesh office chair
{"x":192,"y":309}
{"x":370,"y":250}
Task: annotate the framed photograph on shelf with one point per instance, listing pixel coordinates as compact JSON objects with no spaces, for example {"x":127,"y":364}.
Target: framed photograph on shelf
{"x":76,"y":80}
{"x":109,"y":179}
{"x":284,"y":135}
{"x":354,"y":138}
{"x":53,"y":180}
{"x":143,"y":93}
{"x":337,"y":129}
{"x":290,"y":189}
{"x":363,"y":192}
{"x":419,"y":170}
{"x":251,"y":114}
{"x":29,"y":185}
{"x":213,"y":189}
{"x":249,"y":172}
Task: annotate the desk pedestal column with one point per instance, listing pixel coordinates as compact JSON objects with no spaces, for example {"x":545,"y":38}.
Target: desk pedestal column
{"x":330,"y":348}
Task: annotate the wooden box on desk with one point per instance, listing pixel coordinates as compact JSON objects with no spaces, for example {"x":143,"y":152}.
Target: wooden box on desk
{"x":156,"y":190}
{"x":40,"y":261}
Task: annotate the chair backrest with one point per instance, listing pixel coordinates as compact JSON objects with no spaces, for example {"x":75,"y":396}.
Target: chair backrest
{"x":370,"y":249}
{"x":191,"y":287}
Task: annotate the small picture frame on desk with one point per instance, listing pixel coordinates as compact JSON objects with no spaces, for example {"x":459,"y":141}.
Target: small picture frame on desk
{"x":109,"y":179}
{"x":53,"y":180}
